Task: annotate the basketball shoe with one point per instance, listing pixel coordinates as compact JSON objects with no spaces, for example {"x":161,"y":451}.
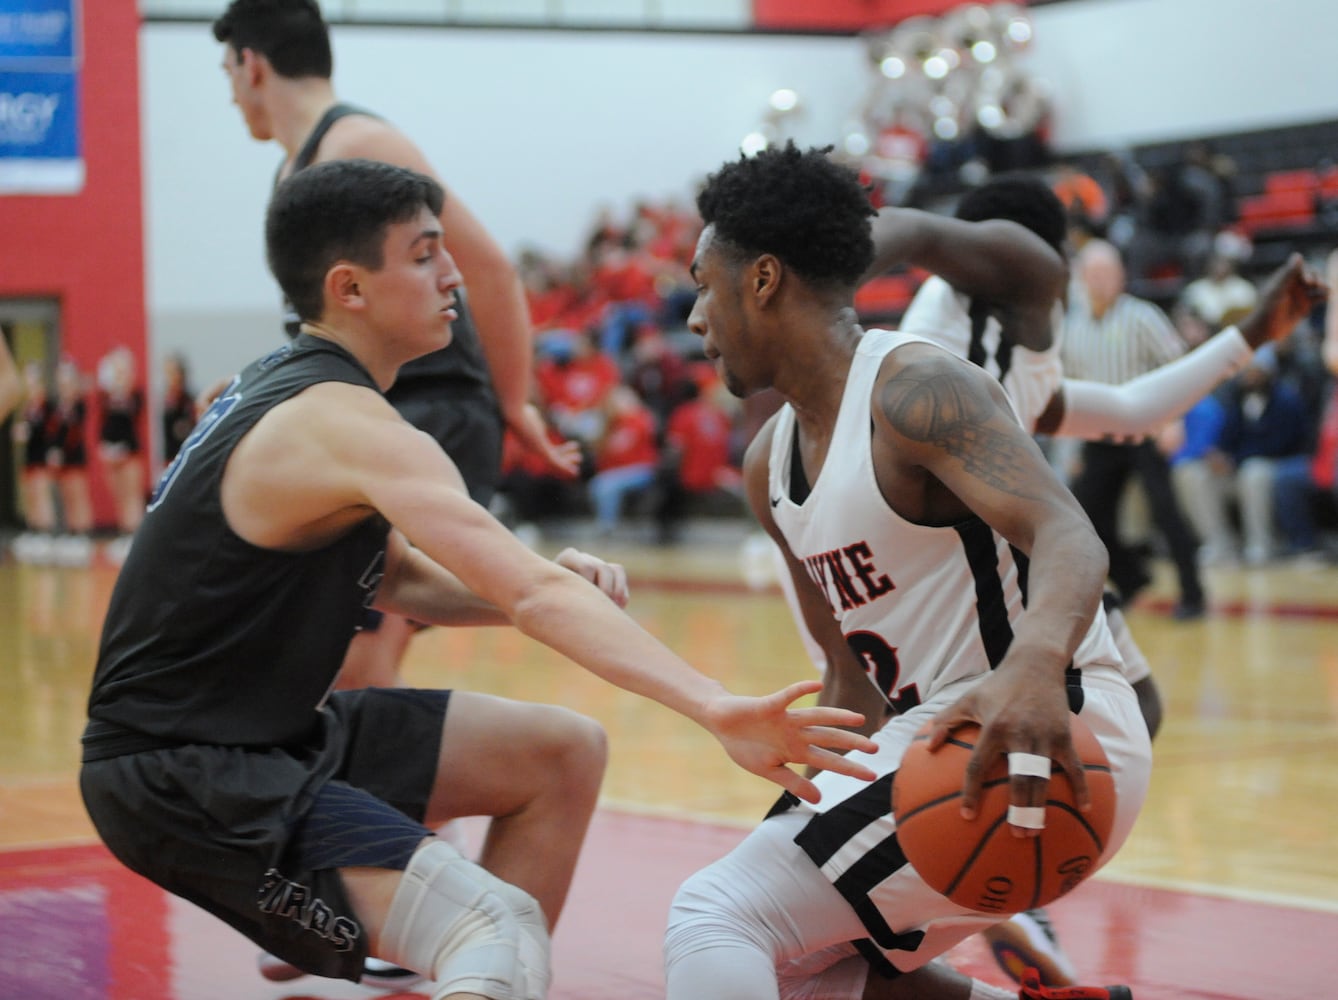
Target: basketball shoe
{"x":375,"y":973}
{"x":1028,"y":941}
{"x":1033,"y":990}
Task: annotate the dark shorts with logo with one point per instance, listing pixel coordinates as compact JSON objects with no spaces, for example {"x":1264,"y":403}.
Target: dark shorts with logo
{"x":255,"y":836}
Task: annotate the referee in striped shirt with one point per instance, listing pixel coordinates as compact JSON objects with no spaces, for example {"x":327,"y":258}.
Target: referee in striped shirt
{"x":1111,"y":337}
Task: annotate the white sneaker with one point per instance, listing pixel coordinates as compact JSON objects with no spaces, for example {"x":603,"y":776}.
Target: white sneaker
{"x":1027,"y":941}
{"x":72,"y":550}
{"x":34,"y":548}
{"x":384,"y":976}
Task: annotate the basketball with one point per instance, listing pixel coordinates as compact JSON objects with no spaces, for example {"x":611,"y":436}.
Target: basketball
{"x":979,"y":863}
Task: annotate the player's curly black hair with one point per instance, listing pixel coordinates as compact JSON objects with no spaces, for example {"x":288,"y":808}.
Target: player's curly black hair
{"x":802,"y":206}
{"x":1020,"y":198}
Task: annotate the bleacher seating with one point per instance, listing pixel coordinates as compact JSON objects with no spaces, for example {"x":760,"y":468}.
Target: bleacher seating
{"x":1285,"y":184}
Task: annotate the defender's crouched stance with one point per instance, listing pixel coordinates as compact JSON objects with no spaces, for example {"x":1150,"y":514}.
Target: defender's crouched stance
{"x":216,"y":761}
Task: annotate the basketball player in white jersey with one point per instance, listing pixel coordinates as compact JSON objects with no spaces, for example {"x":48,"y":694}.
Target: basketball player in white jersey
{"x":994,"y":298}
{"x":946,"y":572}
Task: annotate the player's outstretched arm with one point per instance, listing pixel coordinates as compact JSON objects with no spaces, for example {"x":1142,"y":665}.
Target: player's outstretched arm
{"x":421,"y":590}
{"x":1143,"y":405}
{"x":335,"y":453}
{"x":995,"y":261}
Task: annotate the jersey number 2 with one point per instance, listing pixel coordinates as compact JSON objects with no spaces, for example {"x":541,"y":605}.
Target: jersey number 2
{"x":881,"y":663}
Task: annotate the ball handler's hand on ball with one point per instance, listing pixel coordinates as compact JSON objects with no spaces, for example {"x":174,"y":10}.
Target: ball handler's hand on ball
{"x":1024,"y":719}
{"x":988,"y":861}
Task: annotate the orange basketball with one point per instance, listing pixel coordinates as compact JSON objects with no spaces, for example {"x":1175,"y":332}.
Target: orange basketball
{"x":979,"y":863}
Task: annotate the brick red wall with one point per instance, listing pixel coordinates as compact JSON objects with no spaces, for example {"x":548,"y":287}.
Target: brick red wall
{"x":87,"y":250}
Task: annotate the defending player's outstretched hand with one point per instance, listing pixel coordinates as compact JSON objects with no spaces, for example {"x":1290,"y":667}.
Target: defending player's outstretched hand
{"x":763,"y":735}
{"x":1288,"y":296}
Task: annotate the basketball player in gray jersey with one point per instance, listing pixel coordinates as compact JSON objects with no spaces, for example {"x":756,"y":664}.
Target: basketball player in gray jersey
{"x":278,"y":59}
{"x":217,"y":764}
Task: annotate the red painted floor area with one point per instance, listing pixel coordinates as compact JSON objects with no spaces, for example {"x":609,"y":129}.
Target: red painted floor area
{"x":75,"y":925}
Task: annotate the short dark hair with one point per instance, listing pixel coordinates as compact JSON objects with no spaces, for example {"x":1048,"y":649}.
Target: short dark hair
{"x":291,"y":34}
{"x":338,"y":210}
{"x":804,"y":207}
{"x":1021,"y":198}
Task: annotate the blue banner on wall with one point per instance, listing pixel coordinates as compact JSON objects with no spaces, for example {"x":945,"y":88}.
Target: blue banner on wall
{"x":38,"y":31}
{"x":40,"y":148}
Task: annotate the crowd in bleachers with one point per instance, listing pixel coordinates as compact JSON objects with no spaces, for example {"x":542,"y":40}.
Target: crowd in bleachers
{"x":618,"y":372}
{"x":1252,"y":465}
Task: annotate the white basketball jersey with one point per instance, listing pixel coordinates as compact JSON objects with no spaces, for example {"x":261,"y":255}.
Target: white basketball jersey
{"x":921,"y":606}
{"x":944,"y":316}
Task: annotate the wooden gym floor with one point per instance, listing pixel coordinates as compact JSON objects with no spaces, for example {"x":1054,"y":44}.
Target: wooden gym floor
{"x":1228,"y":889}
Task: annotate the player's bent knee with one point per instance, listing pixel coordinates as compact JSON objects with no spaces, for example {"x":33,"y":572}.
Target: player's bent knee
{"x":466,"y":929}
{"x":574,"y":747}
{"x":702,"y":916}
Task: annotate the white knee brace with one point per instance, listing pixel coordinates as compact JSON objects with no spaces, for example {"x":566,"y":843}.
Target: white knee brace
{"x":466,"y":929}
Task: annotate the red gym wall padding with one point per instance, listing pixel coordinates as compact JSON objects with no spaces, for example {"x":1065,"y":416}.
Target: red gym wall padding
{"x":841,"y":15}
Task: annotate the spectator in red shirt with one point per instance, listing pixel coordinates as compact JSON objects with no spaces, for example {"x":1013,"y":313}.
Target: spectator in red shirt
{"x":574,"y":381}
{"x":626,"y":457}
{"x":697,"y":457}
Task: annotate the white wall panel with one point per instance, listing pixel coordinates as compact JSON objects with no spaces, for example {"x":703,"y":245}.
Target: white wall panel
{"x":537,"y":129}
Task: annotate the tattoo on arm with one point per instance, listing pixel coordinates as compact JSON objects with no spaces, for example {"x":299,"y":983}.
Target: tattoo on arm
{"x":958,"y":415}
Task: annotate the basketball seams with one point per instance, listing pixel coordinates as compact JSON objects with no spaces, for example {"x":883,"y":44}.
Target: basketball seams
{"x":971,"y":866}
{"x":933,"y":803}
{"x":1074,"y":812}
{"x":969,"y":861}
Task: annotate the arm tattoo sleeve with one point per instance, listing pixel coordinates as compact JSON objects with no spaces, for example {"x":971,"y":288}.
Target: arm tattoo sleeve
{"x":956,"y":414}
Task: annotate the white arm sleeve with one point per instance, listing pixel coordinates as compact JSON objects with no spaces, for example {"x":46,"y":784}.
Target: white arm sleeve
{"x":1144,"y":404}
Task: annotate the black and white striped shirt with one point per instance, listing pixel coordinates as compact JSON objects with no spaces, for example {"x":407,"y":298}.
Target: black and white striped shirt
{"x":1132,"y":337}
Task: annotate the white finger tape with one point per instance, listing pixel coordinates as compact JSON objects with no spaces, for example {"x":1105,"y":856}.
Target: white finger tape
{"x":1029,"y":817}
{"x":1032,"y":765}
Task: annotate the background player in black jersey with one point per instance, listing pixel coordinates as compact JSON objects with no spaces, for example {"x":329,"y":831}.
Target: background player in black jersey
{"x":278,"y":60}
{"x":215,"y":762}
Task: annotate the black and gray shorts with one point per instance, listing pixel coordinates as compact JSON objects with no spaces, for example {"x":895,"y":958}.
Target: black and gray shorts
{"x":255,"y":836}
